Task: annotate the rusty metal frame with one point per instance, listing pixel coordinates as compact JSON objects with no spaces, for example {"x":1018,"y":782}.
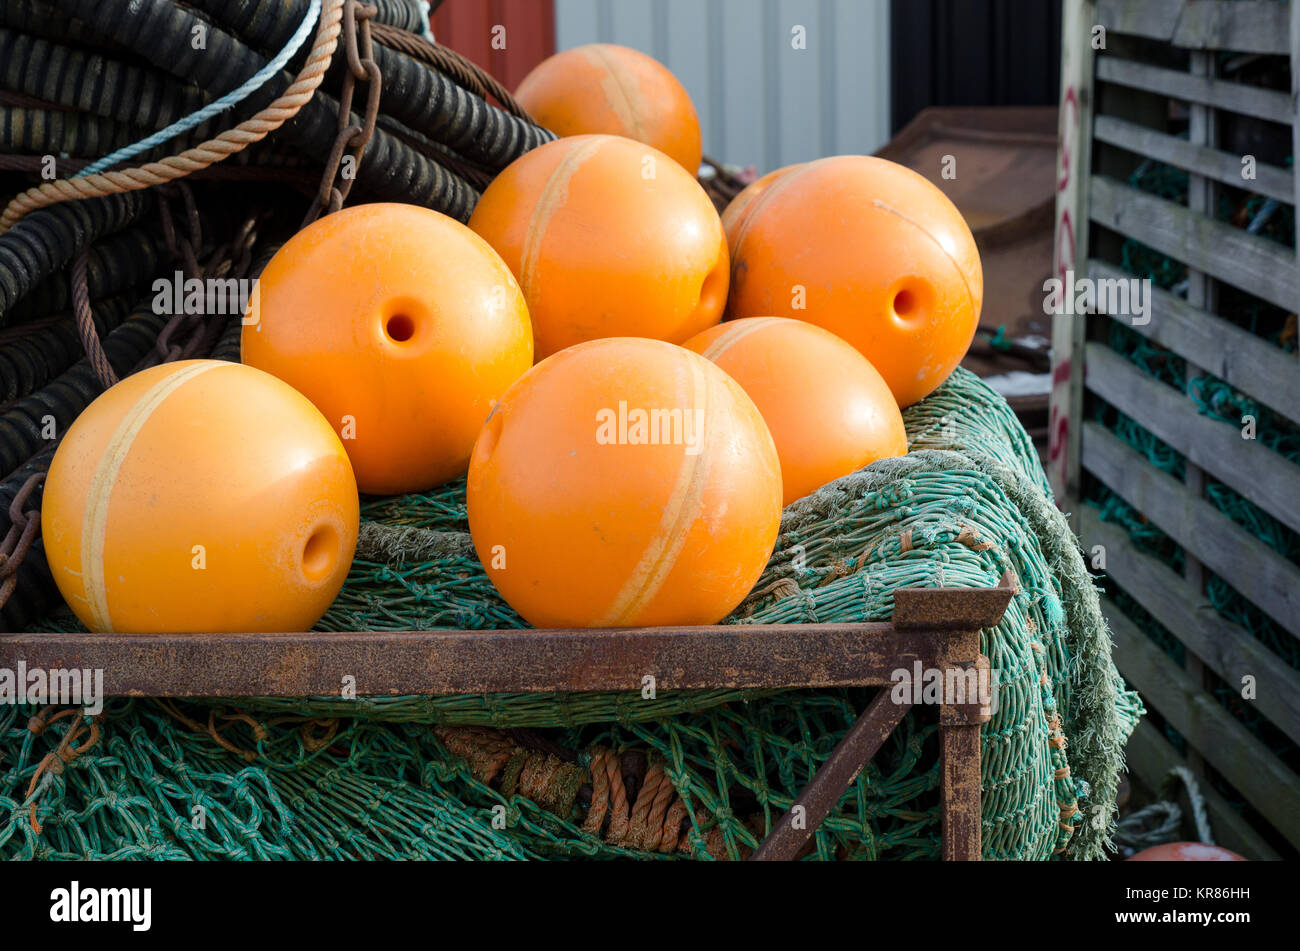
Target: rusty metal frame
{"x":937,"y":627}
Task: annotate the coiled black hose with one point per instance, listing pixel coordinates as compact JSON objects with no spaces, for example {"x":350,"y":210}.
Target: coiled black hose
{"x":403,"y":14}
{"x":93,"y":83}
{"x":418,"y":96}
{"x":40,"y":18}
{"x":227,"y":346}
{"x":54,"y":131}
{"x":21,"y":432}
{"x":32,"y":360}
{"x":45,"y":241}
{"x":118,"y":263}
{"x":162,"y":31}
{"x":23,"y":424}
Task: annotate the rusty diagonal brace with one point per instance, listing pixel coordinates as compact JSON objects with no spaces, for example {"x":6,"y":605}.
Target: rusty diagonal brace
{"x":958,"y":727}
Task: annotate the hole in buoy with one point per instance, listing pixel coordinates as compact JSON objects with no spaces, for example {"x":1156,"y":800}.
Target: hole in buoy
{"x":905,"y":303}
{"x":320,"y":553}
{"x":400,"y":327}
{"x":713,"y":290}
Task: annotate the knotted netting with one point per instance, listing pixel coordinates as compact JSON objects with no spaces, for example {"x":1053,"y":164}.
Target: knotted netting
{"x":688,"y":774}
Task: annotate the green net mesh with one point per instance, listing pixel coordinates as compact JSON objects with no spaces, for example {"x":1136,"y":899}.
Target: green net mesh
{"x":692,"y":774}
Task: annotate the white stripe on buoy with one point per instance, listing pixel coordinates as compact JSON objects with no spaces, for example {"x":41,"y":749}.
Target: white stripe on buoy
{"x":737,"y":333}
{"x":554,"y":194}
{"x":94,"y":527}
{"x":680,"y":512}
{"x":622,"y":91}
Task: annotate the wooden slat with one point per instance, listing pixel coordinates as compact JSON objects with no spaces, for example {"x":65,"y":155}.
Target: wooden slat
{"x":1267,"y":104}
{"x":1244,"y":761}
{"x":1259,"y":27}
{"x":1295,"y":98}
{"x":1227,"y":649}
{"x":1246,"y":362}
{"x":1261,"y":475}
{"x":1150,"y":757}
{"x":1070,"y":243}
{"x":1222,"y":166}
{"x":1256,"y":265}
{"x":1227,"y":549}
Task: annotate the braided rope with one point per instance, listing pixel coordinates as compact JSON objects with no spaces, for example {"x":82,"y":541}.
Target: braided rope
{"x":207,"y":153}
{"x":224,"y":104}
{"x":462,"y":71}
{"x":86,"y":321}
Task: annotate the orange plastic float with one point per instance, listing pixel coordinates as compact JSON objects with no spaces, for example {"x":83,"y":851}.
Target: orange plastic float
{"x":1186,"y":852}
{"x":828,"y":410}
{"x":403,"y":327}
{"x":200,"y":496}
{"x":737,"y":211}
{"x":603,"y":88}
{"x":624,"y":482}
{"x":608,"y":238}
{"x":874,"y":253}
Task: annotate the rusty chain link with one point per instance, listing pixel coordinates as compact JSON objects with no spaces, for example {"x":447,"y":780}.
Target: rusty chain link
{"x":351,"y":140}
{"x":23,"y":528}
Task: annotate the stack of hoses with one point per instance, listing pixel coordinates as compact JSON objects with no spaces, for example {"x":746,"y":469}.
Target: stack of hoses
{"x":106,"y":104}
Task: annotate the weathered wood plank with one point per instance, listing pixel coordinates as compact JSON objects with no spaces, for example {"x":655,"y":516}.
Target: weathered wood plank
{"x":1070,"y":243}
{"x":1227,"y":549}
{"x":1249,"y":363}
{"x":1261,"y":475}
{"x":1256,"y":265}
{"x":1274,"y":182}
{"x":1150,"y":757}
{"x":1244,"y":761}
{"x":1267,"y":104}
{"x":1259,"y":27}
{"x":1295,"y":99}
{"x":1227,"y":649}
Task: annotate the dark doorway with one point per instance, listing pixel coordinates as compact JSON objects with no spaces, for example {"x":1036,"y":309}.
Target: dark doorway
{"x":973,"y":53}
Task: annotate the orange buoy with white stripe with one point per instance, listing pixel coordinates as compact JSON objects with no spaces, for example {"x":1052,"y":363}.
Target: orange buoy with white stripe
{"x":829,"y":411}
{"x":614,"y":90}
{"x":608,"y":238}
{"x":200,"y":496}
{"x":403,"y":327}
{"x":874,"y":253}
{"x":624,"y":482}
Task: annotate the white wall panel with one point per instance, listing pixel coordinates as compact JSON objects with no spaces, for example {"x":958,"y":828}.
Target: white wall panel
{"x":760,"y":100}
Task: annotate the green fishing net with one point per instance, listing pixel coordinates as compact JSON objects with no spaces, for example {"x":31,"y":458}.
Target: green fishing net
{"x":688,"y":774}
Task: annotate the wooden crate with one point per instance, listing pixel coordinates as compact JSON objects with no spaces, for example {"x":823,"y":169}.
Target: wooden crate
{"x":1169,"y":64}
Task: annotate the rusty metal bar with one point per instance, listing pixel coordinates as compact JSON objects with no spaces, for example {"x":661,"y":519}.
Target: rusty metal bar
{"x":955,"y":616}
{"x":959,"y":789}
{"x":937,"y":627}
{"x":835,"y":776}
{"x":456,"y":662}
{"x":959,"y":752}
{"x":952,"y":609}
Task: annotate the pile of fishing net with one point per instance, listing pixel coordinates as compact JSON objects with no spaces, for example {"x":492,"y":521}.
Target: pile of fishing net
{"x":691,"y":774}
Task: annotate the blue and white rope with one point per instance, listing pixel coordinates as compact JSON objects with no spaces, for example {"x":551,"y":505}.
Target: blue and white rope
{"x":226,"y":102}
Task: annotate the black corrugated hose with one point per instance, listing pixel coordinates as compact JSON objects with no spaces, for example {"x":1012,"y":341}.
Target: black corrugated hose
{"x":94,"y":75}
{"x":21,"y":438}
{"x":163,"y":32}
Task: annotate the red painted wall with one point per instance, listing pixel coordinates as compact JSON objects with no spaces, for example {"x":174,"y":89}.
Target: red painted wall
{"x":466,"y":26}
